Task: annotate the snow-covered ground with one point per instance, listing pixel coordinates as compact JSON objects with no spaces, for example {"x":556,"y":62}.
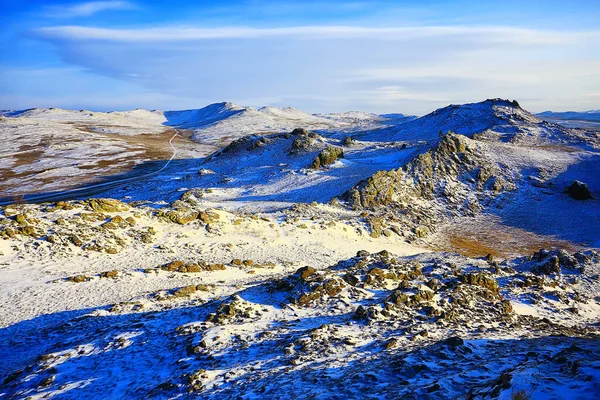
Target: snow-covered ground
{"x":55,"y":149}
{"x":244,"y":270}
{"x":571,"y":119}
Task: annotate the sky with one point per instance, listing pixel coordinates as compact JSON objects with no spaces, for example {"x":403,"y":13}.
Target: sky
{"x":379,"y":56}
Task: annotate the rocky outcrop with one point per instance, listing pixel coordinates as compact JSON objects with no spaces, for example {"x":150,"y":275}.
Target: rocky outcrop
{"x":106,"y":205}
{"x":180,"y":217}
{"x":246,"y":143}
{"x":328,"y":156}
{"x":453,"y":178}
{"x":304,"y":140}
{"x":579,"y":191}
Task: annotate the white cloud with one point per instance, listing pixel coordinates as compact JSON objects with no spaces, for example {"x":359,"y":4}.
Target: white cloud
{"x":493,"y":34}
{"x":334,"y":68}
{"x":87,"y":9}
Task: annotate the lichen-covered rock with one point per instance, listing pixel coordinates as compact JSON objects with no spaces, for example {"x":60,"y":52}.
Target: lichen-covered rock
{"x":183,"y":267}
{"x":303,"y":141}
{"x":329,"y":288}
{"x":483,"y":280}
{"x":327,"y":156}
{"x":546,"y":262}
{"x":453,"y":178}
{"x":109,"y":274}
{"x":306,"y":272}
{"x":246,"y":143}
{"x":180,"y":217}
{"x":106,"y":205}
{"x":29,"y":230}
{"x":421,"y":231}
{"x":192,"y":197}
{"x":79,"y":278}
{"x":208,"y":217}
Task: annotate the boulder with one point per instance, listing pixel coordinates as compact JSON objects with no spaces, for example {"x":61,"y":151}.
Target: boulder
{"x":328,"y":156}
{"x":106,"y":205}
{"x":579,"y":191}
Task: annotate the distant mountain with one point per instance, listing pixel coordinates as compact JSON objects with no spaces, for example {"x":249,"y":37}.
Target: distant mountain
{"x":223,"y":122}
{"x":572,"y":119}
{"x":503,"y":118}
{"x":592,"y":115}
{"x":216,"y":124}
{"x":364,"y":118}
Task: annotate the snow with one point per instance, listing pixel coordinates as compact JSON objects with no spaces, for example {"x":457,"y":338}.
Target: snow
{"x":130,"y":336}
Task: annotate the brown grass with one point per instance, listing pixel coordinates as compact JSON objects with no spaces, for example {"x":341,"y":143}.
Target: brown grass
{"x":483,"y":236}
{"x":154,"y":146}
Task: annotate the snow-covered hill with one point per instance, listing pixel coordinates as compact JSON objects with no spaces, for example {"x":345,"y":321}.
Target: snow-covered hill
{"x":365,"y":255}
{"x":591,"y":115}
{"x":572,"y":119}
{"x":503,"y":118}
{"x":86,"y":145}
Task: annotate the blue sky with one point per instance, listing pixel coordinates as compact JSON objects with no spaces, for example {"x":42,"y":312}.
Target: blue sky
{"x":319,"y":56}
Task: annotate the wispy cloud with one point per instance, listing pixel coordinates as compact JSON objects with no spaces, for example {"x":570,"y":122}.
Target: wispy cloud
{"x":493,"y":34}
{"x":87,"y":9}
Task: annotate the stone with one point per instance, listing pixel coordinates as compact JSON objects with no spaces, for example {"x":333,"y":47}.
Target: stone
{"x":421,"y":231}
{"x":180,"y":217}
{"x":106,"y":205}
{"x":579,"y":191}
{"x":454,"y":341}
{"x":306,"y":272}
{"x":109,"y":274}
{"x":327,"y":157}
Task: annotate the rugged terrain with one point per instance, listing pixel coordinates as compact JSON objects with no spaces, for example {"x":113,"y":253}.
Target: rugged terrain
{"x":288,"y":255}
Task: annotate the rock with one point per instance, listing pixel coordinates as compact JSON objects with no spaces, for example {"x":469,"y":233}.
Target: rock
{"x":78,"y":278}
{"x":348,"y":141}
{"x":75,"y":240}
{"x":9,"y":212}
{"x":421,"y":231}
{"x":180,"y":217}
{"x":185,"y":291}
{"x":54,"y":239}
{"x":579,"y":191}
{"x":352,"y":280}
{"x":21,"y":219}
{"x":180,"y":266}
{"x":482,"y":280}
{"x":28,"y":230}
{"x":208,"y":217}
{"x":326,"y":157}
{"x":109,"y":274}
{"x":106,"y":205}
{"x":330,"y":288}
{"x":551,"y":265}
{"x":301,"y":143}
{"x":300,"y":132}
{"x":247,"y":143}
{"x":506,"y":307}
{"x":192,"y":197}
{"x":173,"y":265}
{"x":306,"y":272}
{"x":110,"y":226}
{"x":454,"y":341}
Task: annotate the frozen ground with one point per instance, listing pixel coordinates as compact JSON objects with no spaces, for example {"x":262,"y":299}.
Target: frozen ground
{"x":55,"y":149}
{"x":244,"y":270}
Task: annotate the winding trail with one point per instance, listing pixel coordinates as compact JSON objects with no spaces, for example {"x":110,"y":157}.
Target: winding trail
{"x":90,"y":189}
